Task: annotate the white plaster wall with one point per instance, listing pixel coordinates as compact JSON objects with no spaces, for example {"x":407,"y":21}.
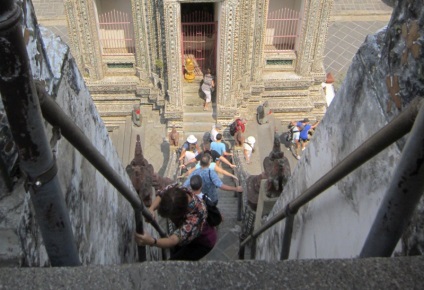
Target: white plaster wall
{"x":336,"y":223}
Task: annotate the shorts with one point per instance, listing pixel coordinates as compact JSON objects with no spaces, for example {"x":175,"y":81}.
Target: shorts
{"x":208,"y":96}
{"x":296,"y":135}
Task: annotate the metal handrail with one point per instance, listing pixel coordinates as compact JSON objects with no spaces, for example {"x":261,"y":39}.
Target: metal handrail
{"x":56,"y":117}
{"x":389,"y":134}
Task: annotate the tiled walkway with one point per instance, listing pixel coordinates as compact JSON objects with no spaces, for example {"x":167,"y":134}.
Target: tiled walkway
{"x":348,"y":6}
{"x":350,"y":24}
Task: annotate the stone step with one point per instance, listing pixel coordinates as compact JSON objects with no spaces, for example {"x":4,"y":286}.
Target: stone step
{"x":381,"y":273}
{"x":192,"y":88}
{"x":196,"y":114}
{"x":118,"y":109}
{"x":193,"y":99}
{"x":114,"y":97}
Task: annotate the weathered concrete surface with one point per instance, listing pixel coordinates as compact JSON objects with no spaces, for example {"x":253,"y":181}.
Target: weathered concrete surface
{"x":102,"y":220}
{"x":388,"y":273}
{"x":386,"y":74}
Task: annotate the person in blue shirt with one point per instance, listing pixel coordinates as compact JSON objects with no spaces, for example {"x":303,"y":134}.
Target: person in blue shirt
{"x":210,"y":179}
{"x":304,"y":133}
{"x":219,"y":147}
{"x":297,"y":128}
{"x":215,"y":156}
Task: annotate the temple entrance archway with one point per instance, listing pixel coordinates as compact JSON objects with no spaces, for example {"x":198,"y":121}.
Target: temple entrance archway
{"x":199,"y":36}
{"x":198,"y":50}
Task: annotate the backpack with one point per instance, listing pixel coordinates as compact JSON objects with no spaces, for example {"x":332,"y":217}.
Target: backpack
{"x":214,"y":218}
{"x":207,"y":137}
{"x":233,"y":127}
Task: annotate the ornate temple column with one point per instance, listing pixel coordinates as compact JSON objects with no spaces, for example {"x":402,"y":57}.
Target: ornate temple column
{"x":84,"y":38}
{"x":172,"y":18}
{"x":321,"y":37}
{"x":259,"y":33}
{"x":226,"y":103}
{"x":142,"y":63}
{"x":305,"y":59}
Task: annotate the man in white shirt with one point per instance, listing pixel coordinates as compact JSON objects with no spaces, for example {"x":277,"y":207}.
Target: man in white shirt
{"x":329,"y":88}
{"x":215,"y":130}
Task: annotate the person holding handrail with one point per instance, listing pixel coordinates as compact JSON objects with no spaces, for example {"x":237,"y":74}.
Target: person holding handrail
{"x":193,"y":237}
{"x":210,"y":179}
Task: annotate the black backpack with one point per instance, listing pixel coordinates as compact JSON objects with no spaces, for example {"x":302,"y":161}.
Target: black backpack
{"x":233,"y":127}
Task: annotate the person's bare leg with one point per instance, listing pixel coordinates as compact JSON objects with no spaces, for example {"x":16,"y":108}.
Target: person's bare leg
{"x":297,"y":149}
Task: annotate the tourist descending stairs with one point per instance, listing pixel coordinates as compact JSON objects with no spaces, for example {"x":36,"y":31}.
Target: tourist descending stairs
{"x":226,"y":248}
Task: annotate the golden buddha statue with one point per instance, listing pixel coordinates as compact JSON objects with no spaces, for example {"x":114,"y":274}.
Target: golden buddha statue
{"x":189,"y":74}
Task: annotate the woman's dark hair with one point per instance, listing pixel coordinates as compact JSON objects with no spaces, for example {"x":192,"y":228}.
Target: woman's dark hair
{"x":174,"y":205}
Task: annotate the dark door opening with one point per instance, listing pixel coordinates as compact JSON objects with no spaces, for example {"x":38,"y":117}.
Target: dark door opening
{"x":199,"y":36}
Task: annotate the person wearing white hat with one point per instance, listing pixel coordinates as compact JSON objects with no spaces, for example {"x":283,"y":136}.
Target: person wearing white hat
{"x":189,"y":146}
{"x":248,"y":146}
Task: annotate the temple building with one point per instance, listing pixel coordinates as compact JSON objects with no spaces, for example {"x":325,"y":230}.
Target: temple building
{"x":133,"y":52}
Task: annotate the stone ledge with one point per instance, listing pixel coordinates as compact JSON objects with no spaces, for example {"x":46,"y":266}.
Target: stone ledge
{"x":373,"y":273}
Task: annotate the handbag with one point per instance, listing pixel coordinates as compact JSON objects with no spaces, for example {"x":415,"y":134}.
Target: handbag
{"x":214,"y":215}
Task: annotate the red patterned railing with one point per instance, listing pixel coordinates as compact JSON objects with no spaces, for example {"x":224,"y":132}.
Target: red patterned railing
{"x":281,"y":30}
{"x":116,"y":33}
{"x":199,"y":40}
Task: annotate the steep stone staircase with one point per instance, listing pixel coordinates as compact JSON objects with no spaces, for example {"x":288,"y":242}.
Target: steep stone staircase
{"x":196,"y":121}
{"x":226,"y":248}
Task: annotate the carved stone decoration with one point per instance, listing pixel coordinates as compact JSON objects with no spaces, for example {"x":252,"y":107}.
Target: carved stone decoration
{"x":312,"y":12}
{"x":227,"y":41}
{"x":91,"y":53}
{"x":174,"y":137}
{"x":276,"y":171}
{"x":140,"y":37}
{"x":321,"y":37}
{"x":253,"y":184}
{"x":259,"y":39}
{"x":244,"y":76}
{"x":73,"y":32}
{"x":172,"y":18}
{"x":143,"y":177}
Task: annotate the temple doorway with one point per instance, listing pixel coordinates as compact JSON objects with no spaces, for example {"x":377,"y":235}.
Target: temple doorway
{"x":199,"y":36}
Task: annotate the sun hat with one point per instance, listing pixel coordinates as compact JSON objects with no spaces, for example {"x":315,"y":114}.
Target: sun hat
{"x":306,"y":120}
{"x":191,"y":139}
{"x":251,"y":140}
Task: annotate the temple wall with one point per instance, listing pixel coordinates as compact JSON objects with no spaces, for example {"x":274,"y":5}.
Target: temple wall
{"x":102,"y":220}
{"x":49,"y":8}
{"x":382,"y":80}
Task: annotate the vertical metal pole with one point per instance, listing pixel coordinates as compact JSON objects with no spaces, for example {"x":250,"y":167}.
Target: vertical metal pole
{"x":253,"y":248}
{"x":239,"y":205}
{"x":288,"y":230}
{"x":36,"y":158}
{"x":241,"y":247}
{"x":402,"y":197}
{"x":140,"y":230}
